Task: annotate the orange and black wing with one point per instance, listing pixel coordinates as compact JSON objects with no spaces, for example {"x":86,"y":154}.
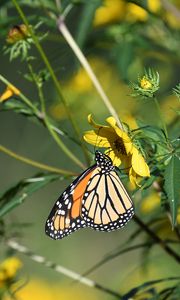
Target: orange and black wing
{"x":106,"y":205}
{"x":65,"y":216}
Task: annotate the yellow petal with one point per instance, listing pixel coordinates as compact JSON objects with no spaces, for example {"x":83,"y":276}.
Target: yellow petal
{"x":93,"y":138}
{"x":128,"y":145}
{"x":14,"y":89}
{"x":120,"y":133}
{"x":111,"y":121}
{"x":138,"y":163}
{"x":116,"y":160}
{"x":9,"y":92}
{"x":93,"y":123}
{"x":126,"y":160}
{"x":6,"y":95}
{"x":134,"y":179}
{"x":10,"y":266}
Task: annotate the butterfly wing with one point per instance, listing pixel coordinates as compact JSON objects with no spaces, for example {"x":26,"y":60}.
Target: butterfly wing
{"x":106,"y":205}
{"x":65,"y":216}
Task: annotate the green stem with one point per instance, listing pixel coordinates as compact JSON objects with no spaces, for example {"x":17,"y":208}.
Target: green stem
{"x":34,"y":163}
{"x":22,"y":96}
{"x":48,"y":125}
{"x":42,"y":100}
{"x":35,"y":79}
{"x":61,"y":144}
{"x":52,"y":73}
{"x":79,"y":54}
{"x":60,"y":269}
{"x":11,"y":294}
{"x":163,"y":124}
{"x":157,"y":239}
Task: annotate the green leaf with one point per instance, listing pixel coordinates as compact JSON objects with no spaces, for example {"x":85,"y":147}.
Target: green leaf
{"x":114,"y":254}
{"x":171,"y":185}
{"x":23,"y":189}
{"x":17,"y":106}
{"x":124,"y":54}
{"x":85,"y":22}
{"x":176,"y":91}
{"x":145,"y":285}
{"x":151,"y":132}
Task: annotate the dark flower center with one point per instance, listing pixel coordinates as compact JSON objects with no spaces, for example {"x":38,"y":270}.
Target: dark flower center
{"x":119,"y":146}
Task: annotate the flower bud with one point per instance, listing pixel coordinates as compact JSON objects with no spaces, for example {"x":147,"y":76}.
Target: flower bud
{"x":17,"y":33}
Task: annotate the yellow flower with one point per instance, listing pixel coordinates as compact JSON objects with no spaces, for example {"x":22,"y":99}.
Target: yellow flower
{"x":154,"y":6}
{"x":8,"y":269}
{"x":172,"y":21}
{"x":169,"y":107}
{"x":120,"y":148}
{"x":110,"y":11}
{"x":9,"y":92}
{"x":145,"y":83}
{"x":81,"y":81}
{"x":39,"y":289}
{"x":57,"y":111}
{"x":136,"y":13}
{"x":150,"y":203}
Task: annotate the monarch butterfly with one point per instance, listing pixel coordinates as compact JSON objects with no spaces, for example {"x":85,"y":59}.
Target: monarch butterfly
{"x":97,"y":199}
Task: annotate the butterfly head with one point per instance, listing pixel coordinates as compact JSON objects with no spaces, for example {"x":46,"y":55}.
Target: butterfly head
{"x":104,"y":162}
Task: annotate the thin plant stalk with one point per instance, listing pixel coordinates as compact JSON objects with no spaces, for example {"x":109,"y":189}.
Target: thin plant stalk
{"x":53,"y":76}
{"x":41,"y":98}
{"x":60,"y":269}
{"x":61,"y":144}
{"x":48,"y":125}
{"x":21,"y":95}
{"x":79,"y":54}
{"x":157,"y":239}
{"x":161,"y":117}
{"x":35,"y":163}
{"x":46,"y":121}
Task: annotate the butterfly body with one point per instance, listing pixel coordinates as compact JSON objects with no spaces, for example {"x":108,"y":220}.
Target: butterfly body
{"x":96,"y":199}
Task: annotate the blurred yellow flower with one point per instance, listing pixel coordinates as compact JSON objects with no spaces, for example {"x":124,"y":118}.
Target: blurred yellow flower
{"x":120,"y":148}
{"x":117,"y":10}
{"x":110,"y":11}
{"x":57,"y":111}
{"x":172,"y":21}
{"x":9,"y":92}
{"x":81,"y":81}
{"x":145,"y":83}
{"x":151,"y":202}
{"x":8,"y":269}
{"x":136,"y":13}
{"x":178,"y":217}
{"x":154,"y":6}
{"x":170,"y":106}
{"x":38,"y":289}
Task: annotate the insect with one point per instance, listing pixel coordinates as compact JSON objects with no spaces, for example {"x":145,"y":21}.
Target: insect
{"x":96,"y":199}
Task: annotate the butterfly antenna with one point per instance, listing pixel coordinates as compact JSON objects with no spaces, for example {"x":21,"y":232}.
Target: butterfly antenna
{"x":96,"y":143}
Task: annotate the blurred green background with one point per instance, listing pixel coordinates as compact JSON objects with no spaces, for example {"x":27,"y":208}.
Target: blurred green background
{"x":120,"y":39}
